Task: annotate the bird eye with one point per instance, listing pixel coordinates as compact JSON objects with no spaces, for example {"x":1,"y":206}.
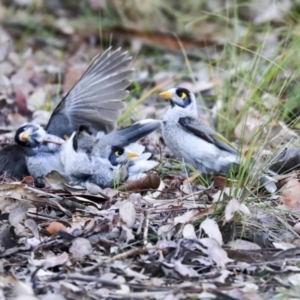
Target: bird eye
{"x":183,"y":96}
{"x":117,"y":153}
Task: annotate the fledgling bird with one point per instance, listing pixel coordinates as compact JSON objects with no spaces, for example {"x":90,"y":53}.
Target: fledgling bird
{"x":195,"y":143}
{"x":96,"y":99}
{"x":82,"y":164}
{"x":119,"y":159}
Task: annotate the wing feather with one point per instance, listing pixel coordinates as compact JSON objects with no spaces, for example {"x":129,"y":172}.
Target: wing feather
{"x":199,"y":129}
{"x":96,"y":98}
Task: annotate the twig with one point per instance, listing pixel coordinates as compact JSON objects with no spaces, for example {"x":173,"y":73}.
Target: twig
{"x":53,"y":142}
{"x":120,"y":256}
{"x":146,"y":227}
{"x":284,"y":260}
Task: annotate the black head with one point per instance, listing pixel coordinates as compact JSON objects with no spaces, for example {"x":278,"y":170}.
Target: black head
{"x":181,"y":97}
{"x":117,"y":155}
{"x":30,"y":135}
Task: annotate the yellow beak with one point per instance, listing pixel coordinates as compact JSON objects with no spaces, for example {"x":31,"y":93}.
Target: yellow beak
{"x":24,"y":136}
{"x":132,"y":154}
{"x":166,"y":95}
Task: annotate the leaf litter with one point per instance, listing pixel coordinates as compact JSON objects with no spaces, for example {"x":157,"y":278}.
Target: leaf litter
{"x":160,"y":237}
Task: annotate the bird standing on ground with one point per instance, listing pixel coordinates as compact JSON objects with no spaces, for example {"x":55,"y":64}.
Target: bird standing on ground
{"x":96,"y":99}
{"x":194,"y":142}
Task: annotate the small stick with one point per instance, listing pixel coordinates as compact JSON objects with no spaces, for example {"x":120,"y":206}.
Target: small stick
{"x":53,"y":142}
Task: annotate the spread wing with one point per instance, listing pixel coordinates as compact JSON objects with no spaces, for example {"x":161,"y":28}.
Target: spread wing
{"x":97,"y":98}
{"x":199,"y":129}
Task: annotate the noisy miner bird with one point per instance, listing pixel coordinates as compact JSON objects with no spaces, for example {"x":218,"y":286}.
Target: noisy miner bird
{"x":96,"y":99}
{"x":41,"y":150}
{"x":195,"y":143}
{"x":85,"y":161}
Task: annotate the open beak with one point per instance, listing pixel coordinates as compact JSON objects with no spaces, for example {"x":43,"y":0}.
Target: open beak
{"x":166,"y":95}
{"x":24,"y":136}
{"x":132,"y":154}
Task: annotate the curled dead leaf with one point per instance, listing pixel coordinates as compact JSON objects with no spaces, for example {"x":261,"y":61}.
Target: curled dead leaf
{"x":211,"y":228}
{"x":149,"y":182}
{"x":290,"y":196}
{"x":55,"y":227}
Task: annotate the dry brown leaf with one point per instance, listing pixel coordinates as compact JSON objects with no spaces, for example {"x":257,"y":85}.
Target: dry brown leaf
{"x":248,"y":127}
{"x":50,"y":260}
{"x":32,"y":225}
{"x":149,"y":182}
{"x":18,"y":213}
{"x":93,"y":188}
{"x":56,"y":181}
{"x":283,"y":245}
{"x":214,"y":251}
{"x":128,"y":232}
{"x":232,"y":207}
{"x":184,"y":270}
{"x":55,"y":227}
{"x":185,"y":218}
{"x":290,"y":196}
{"x":81,"y":247}
{"x":211,"y":228}
{"x":294,"y":279}
{"x":128,"y":214}
{"x":166,"y":230}
{"x":239,"y":244}
{"x":15,"y":191}
{"x":188,"y":231}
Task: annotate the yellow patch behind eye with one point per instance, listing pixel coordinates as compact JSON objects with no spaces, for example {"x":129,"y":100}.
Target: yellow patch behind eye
{"x":183,"y":96}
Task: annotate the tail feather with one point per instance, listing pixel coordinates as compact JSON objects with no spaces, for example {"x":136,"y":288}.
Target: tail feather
{"x":131,"y":134}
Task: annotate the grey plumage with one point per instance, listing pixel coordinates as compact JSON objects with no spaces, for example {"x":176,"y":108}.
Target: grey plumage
{"x":193,"y":142}
{"x":42,"y":155}
{"x":97,"y":97}
{"x":96,"y":100}
{"x":128,"y":135}
{"x":83,"y":165}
